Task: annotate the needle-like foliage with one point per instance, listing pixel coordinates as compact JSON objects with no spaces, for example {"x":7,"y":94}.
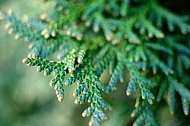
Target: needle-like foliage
{"x":89,"y":36}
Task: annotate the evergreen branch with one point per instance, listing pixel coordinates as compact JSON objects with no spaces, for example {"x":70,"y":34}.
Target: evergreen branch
{"x":104,"y":62}
{"x":155,"y":61}
{"x":117,"y":74}
{"x":91,"y":36}
{"x":162,"y":90}
{"x":171,"y":19}
{"x":89,"y":90}
{"x":171,"y":99}
{"x":185,"y":105}
{"x":28,"y":30}
{"x":48,"y":67}
{"x":145,"y":25}
{"x":159,"y":47}
{"x":137,"y":78}
{"x":181,"y":89}
{"x":144,"y":85}
{"x":144,"y":115}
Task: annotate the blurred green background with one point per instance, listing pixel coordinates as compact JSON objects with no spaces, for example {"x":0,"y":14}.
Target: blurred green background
{"x":26,"y":99}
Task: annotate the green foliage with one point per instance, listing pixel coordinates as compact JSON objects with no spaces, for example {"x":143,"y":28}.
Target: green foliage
{"x":88,"y":37}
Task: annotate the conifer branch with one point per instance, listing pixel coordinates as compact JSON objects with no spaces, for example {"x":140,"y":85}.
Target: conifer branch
{"x":90,"y":36}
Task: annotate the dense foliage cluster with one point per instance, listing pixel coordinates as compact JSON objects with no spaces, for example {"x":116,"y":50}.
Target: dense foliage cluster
{"x":89,"y":36}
